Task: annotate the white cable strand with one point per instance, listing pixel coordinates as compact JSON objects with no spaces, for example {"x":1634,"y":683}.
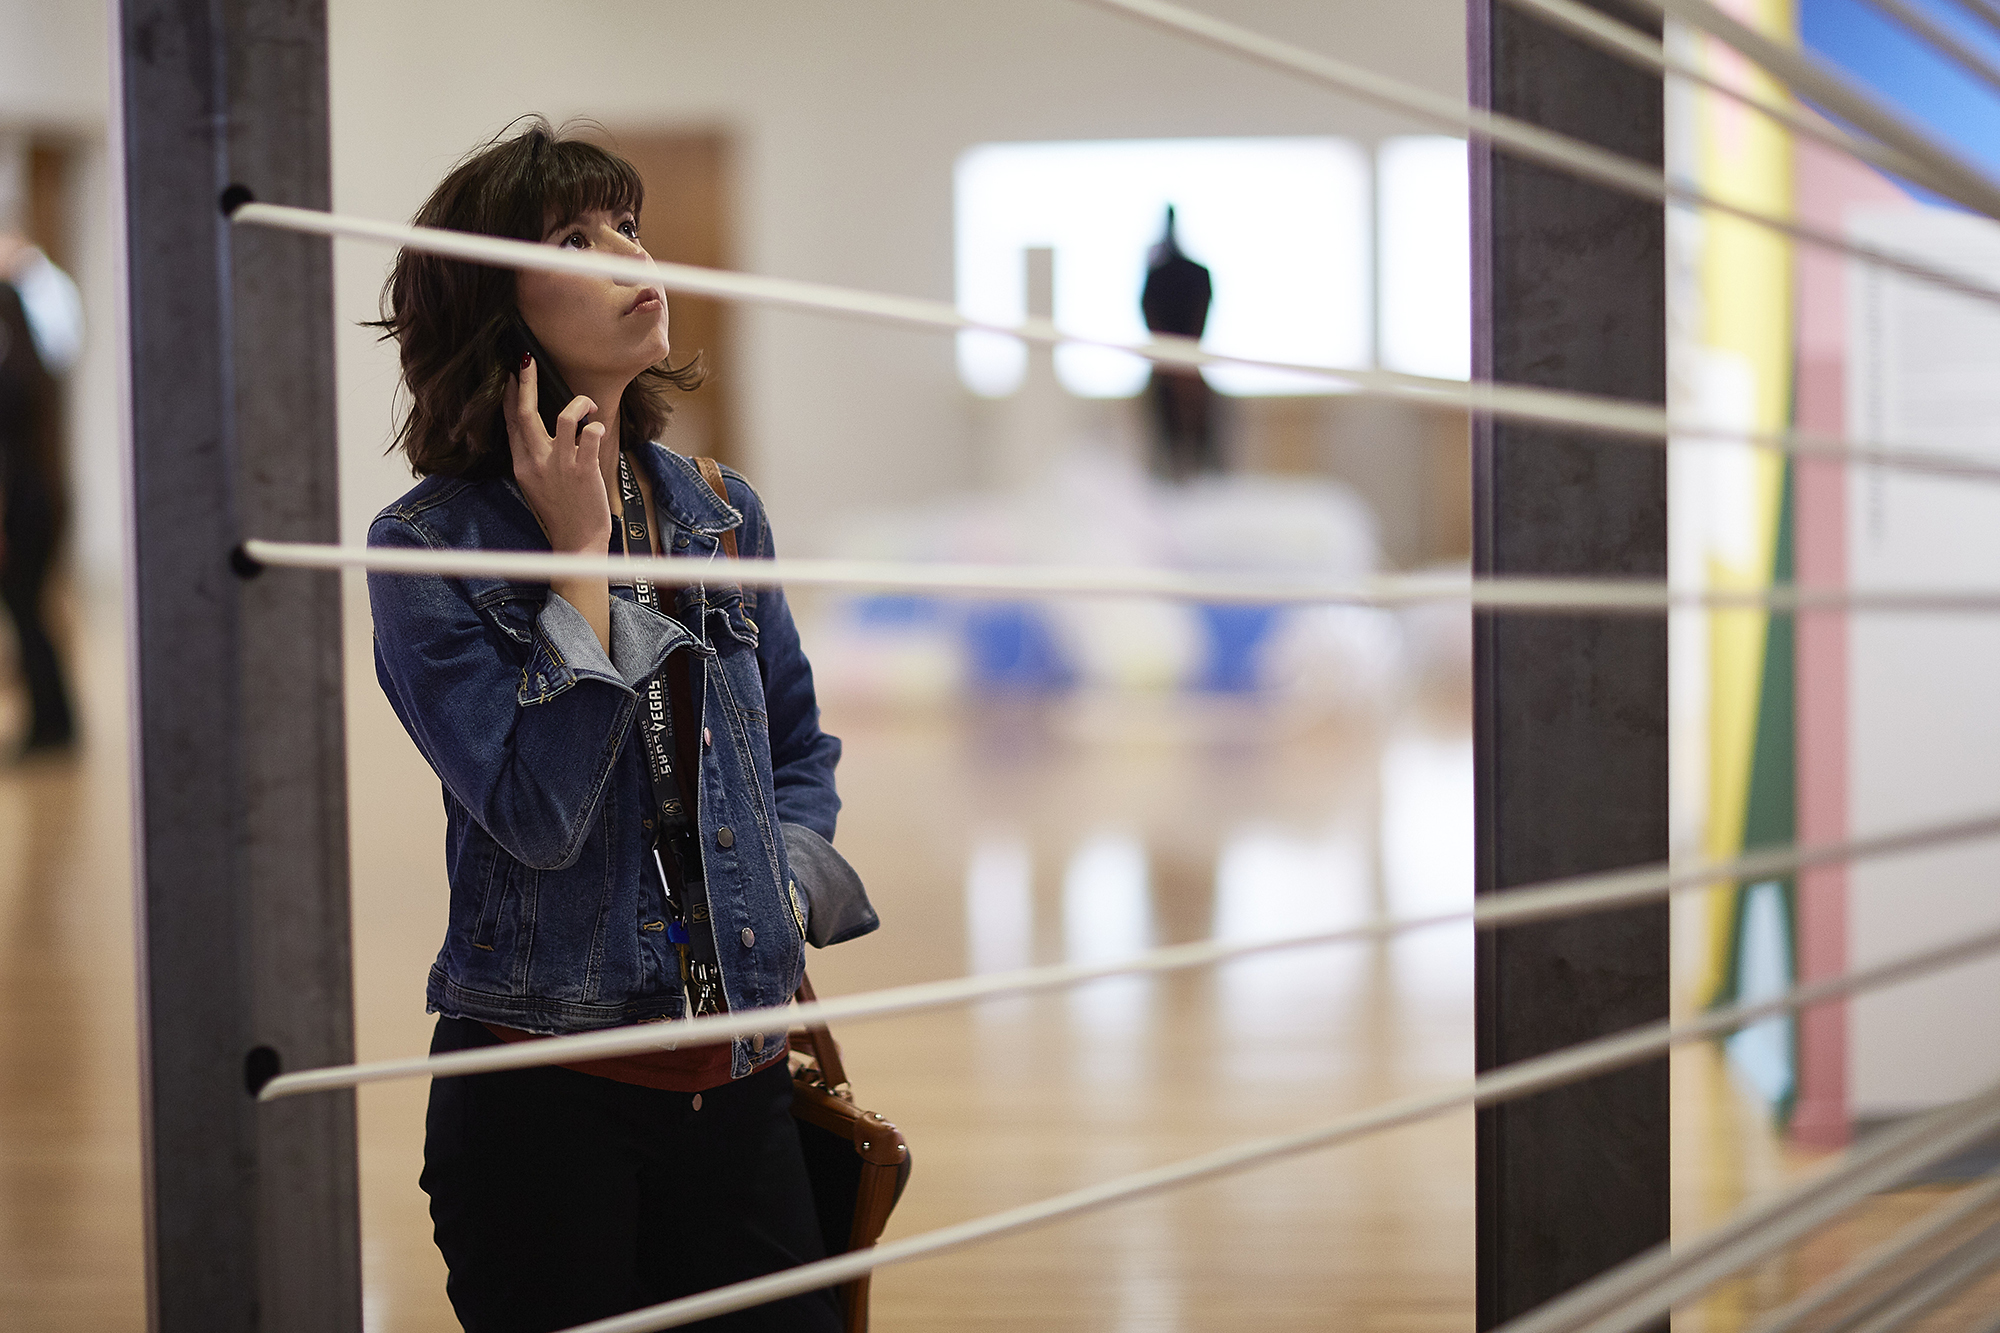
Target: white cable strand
{"x":1640,"y":1290}
{"x":1884,"y":1258}
{"x":1941,"y":1281}
{"x":1931,"y":1282}
{"x":1986,"y":11}
{"x":1817,"y":82}
{"x":1522,"y":139}
{"x":1512,"y":907}
{"x":1642,"y":50}
{"x":1517,"y":1080}
{"x":1576,"y":596}
{"x":1943,"y":40}
{"x":1600,"y":416}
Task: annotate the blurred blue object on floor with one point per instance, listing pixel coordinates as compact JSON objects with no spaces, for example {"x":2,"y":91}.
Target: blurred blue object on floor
{"x":1011,"y":648}
{"x":1233,"y":661}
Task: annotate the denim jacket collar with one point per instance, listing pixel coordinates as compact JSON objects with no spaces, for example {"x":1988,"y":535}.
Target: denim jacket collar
{"x":684,"y":495}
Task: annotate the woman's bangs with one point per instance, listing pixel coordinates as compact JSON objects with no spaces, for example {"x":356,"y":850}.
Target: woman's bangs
{"x":583,"y":178}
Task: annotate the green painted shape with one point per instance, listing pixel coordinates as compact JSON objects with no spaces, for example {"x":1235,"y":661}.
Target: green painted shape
{"x":1772,"y":817}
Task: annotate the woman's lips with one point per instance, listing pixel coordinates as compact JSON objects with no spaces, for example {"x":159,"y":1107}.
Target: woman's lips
{"x":648,"y":300}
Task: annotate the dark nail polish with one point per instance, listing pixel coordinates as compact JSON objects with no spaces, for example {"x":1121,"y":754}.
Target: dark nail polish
{"x":526,"y":359}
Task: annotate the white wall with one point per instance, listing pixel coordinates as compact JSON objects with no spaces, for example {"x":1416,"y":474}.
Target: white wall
{"x":53,"y":60}
{"x":849,"y":116}
{"x":1925,"y":740}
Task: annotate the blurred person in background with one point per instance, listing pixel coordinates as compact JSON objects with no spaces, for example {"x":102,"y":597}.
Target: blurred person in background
{"x":1175,"y":301}
{"x":41,"y":333}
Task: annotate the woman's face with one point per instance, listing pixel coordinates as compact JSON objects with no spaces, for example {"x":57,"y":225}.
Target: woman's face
{"x":598,"y":330}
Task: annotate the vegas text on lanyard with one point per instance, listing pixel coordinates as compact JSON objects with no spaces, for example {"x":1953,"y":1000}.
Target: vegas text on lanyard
{"x":676,"y":835}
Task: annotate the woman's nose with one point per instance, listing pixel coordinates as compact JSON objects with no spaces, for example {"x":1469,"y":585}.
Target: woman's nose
{"x":625,"y":247}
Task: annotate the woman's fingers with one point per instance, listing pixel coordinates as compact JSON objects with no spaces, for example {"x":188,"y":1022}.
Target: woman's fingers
{"x":590,"y":448}
{"x":566,"y":424}
{"x":525,"y":437}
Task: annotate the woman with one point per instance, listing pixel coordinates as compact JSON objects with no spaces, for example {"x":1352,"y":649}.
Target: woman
{"x":639,"y":797}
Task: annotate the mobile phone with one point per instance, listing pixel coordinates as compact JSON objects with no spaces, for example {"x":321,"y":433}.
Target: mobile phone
{"x":552,"y":394}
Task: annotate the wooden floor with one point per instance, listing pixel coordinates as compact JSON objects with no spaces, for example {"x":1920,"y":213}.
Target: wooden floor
{"x":990,"y":838}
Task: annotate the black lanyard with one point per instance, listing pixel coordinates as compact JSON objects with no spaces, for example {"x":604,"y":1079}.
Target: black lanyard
{"x":676,"y":837}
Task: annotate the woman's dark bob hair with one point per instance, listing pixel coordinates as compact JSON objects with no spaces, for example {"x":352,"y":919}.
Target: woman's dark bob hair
{"x":448,"y":316}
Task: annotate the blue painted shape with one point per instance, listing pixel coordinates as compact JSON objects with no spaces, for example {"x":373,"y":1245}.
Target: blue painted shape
{"x":1010,"y":649}
{"x":1766,"y":1053}
{"x":1904,"y":72}
{"x":1235,"y":636}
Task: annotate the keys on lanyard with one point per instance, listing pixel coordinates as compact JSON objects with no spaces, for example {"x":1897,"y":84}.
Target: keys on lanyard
{"x":676,"y":844}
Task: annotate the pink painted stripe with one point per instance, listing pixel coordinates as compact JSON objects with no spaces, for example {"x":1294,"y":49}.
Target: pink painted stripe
{"x":1828,"y":185}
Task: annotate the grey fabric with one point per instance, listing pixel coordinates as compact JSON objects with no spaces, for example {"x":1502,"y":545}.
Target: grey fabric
{"x":837,"y":906}
{"x":573,"y":639}
{"x":640,"y":639}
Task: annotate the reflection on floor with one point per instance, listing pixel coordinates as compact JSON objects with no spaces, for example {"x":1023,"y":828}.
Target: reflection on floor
{"x":1081,"y":830}
{"x":991,"y":837}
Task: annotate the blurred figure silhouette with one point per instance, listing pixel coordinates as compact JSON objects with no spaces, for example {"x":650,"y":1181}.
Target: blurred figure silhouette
{"x":41,"y":331}
{"x":1176,"y":300}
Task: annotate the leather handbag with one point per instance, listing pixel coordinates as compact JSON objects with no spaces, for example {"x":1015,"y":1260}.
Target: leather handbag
{"x":856,"y":1159}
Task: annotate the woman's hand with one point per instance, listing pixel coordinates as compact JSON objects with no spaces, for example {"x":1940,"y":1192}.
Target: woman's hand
{"x":562,"y":477}
{"x":563,"y":482}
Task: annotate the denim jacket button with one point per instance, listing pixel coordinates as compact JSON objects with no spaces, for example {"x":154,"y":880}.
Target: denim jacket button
{"x":724,"y":838}
{"x":749,"y":937}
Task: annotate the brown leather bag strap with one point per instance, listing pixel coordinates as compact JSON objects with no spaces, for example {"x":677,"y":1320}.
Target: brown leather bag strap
{"x":711,"y":472}
{"x":825,"y":1050}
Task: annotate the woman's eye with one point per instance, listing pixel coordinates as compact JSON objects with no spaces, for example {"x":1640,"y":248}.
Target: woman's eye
{"x":574,"y":241}
{"x":630,"y":228}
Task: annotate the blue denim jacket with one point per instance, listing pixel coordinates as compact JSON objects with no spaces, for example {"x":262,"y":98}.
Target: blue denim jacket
{"x":558,"y":920}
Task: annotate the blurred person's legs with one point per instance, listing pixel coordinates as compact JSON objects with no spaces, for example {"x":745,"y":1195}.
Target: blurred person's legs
{"x":1184,"y":439}
{"x":32,"y":528}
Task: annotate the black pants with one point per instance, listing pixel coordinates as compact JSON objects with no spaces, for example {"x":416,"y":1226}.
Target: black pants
{"x":559,"y":1197}
{"x":1184,"y":443}
{"x":29,"y":521}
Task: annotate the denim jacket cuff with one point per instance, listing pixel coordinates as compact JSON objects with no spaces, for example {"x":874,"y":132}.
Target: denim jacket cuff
{"x":640,"y":640}
{"x":836,"y":907}
{"x":566,"y":650}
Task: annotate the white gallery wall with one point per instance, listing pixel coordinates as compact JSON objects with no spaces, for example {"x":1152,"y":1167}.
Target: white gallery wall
{"x":848,"y":119}
{"x":1924,"y":737}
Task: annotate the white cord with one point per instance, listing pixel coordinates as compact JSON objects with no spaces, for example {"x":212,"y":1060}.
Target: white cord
{"x":1634,"y":1294}
{"x":1579,"y":596}
{"x":1815,"y":81}
{"x":1518,"y":1080}
{"x":1558,"y":898}
{"x":1640,"y":49}
{"x":1879,"y":1261}
{"x":1522,"y":139}
{"x":1597,"y":415}
{"x":1941,"y":40}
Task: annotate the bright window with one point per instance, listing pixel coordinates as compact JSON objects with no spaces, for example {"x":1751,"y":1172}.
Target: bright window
{"x":1282,"y":224}
{"x":1425,"y":256}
